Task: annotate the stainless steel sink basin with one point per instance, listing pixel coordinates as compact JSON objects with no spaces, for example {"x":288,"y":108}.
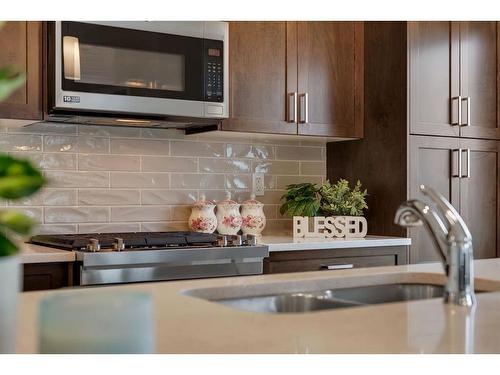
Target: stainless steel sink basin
{"x":335,"y":298}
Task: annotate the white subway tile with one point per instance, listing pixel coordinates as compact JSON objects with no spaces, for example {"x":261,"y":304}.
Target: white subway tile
{"x":169,"y":164}
{"x":283,"y":181}
{"x":164,"y":226}
{"x":139,"y":180}
{"x":35,"y":213}
{"x":108,"y":163}
{"x":169,"y":196}
{"x":224,"y":165}
{"x":76,"y":214}
{"x":191,"y":148}
{"x":48,"y":197}
{"x":298,"y":153}
{"x":197,"y":181}
{"x":109,"y":228}
{"x":55,"y":229}
{"x":77,"y":179}
{"x":151,"y":213}
{"x":249,"y":151}
{"x":276,"y":167}
{"x":59,"y":143}
{"x":109,"y":131}
{"x":20,"y":142}
{"x":317,"y":168}
{"x":238,"y":182}
{"x":139,"y":146}
{"x":109,"y":197}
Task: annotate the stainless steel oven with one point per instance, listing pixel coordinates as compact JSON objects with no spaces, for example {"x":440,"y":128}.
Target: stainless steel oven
{"x":148,"y":69}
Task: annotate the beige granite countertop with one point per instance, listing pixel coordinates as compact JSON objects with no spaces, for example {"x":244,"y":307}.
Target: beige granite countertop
{"x":31,"y":253}
{"x":288,"y":243}
{"x":185,"y":324}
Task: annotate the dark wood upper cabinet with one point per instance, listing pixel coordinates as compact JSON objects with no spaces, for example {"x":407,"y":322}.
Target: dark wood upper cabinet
{"x":433,"y":77}
{"x":21,"y":48}
{"x":453,"y":76}
{"x":330,"y":72}
{"x":273,"y":65}
{"x":479,"y":72}
{"x":263,"y":72}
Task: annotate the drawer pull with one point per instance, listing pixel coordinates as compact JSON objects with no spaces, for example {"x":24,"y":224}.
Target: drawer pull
{"x":336,"y":266}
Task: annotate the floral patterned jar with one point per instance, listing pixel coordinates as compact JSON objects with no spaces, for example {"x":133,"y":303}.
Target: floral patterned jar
{"x":228,"y":216}
{"x":254,"y":220}
{"x":203,"y":217}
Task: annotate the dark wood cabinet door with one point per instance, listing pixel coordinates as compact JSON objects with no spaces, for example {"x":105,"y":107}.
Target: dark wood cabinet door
{"x":44,"y":276}
{"x":433,"y":162}
{"x":330,"y":72}
{"x":479,"y":72}
{"x":263,"y":76}
{"x":21,"y":48}
{"x":433,"y":78}
{"x":479,"y":195}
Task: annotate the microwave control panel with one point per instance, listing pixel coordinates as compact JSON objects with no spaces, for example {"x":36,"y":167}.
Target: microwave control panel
{"x":214,"y":71}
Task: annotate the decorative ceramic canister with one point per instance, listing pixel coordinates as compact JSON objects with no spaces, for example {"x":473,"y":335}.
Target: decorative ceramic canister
{"x":203,"y":217}
{"x":253,"y":218}
{"x":228,"y":216}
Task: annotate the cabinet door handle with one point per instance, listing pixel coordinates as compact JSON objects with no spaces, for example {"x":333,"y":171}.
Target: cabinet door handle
{"x":292,"y":107}
{"x":304,"y":108}
{"x":467,"y":174}
{"x":459,"y":158}
{"x":467,"y":103}
{"x":336,"y":266}
{"x":459,"y":112}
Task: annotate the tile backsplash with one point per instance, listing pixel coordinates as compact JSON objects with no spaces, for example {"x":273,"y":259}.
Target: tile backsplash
{"x":104,"y":179}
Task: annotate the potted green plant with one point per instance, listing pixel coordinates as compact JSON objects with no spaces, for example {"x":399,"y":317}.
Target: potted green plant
{"x":338,"y":209}
{"x":18,"y":179}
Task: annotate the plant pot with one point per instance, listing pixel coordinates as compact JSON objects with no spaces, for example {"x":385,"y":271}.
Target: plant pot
{"x":10,"y":283}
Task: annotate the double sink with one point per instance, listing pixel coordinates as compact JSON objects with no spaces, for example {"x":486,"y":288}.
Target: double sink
{"x":302,"y":302}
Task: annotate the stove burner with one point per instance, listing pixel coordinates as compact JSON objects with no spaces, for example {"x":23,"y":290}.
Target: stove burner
{"x":126,"y":240}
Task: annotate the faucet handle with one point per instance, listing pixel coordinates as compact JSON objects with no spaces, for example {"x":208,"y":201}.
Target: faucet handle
{"x":458,"y":230}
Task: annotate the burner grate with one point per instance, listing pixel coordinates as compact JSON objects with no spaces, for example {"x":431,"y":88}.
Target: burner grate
{"x":131,"y":239}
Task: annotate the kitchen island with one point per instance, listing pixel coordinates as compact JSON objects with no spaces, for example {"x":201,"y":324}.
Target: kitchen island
{"x":188,"y":324}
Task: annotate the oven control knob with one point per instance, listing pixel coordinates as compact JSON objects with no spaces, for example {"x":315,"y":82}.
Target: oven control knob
{"x":93,"y":245}
{"x":251,"y":240}
{"x":235,"y":240}
{"x":221,"y":240}
{"x":118,"y":244}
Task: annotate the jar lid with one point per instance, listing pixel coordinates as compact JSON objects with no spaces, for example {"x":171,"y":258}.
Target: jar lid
{"x":228,"y":201}
{"x":252,"y":201}
{"x":203,"y":202}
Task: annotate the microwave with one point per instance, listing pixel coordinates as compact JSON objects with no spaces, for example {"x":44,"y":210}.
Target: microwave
{"x":138,"y":73}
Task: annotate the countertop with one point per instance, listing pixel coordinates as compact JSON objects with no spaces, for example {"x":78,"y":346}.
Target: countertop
{"x":187,"y":324}
{"x":288,"y":243}
{"x":31,"y":253}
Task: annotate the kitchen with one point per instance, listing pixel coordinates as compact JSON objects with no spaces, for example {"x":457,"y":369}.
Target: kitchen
{"x":154,"y":148}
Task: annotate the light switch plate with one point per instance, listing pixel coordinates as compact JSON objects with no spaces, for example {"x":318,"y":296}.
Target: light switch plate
{"x":258,"y":184}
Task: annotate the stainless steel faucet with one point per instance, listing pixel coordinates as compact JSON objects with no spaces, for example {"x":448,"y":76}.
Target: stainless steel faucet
{"x":452,"y":239}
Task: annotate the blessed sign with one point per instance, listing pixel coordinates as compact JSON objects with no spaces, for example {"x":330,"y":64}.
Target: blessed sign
{"x":328,"y":227}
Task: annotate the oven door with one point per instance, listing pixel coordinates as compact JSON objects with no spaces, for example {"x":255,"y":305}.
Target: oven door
{"x":148,"y":68}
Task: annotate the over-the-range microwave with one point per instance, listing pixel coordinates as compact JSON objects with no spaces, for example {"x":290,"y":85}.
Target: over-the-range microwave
{"x":138,"y":73}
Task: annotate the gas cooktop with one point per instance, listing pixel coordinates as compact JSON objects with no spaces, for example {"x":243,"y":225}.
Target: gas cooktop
{"x":139,"y":240}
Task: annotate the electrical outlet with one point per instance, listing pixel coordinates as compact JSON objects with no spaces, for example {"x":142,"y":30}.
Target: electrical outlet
{"x":258,"y":184}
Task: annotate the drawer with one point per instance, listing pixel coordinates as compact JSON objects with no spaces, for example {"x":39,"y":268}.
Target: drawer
{"x":303,"y":265}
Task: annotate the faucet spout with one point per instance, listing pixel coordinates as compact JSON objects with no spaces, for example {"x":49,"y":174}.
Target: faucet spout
{"x":452,"y":239}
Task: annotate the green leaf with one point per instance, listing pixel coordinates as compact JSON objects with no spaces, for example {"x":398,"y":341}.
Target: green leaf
{"x":9,"y":82}
{"x":16,"y":222}
{"x":18,"y":178}
{"x":7,"y":247}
